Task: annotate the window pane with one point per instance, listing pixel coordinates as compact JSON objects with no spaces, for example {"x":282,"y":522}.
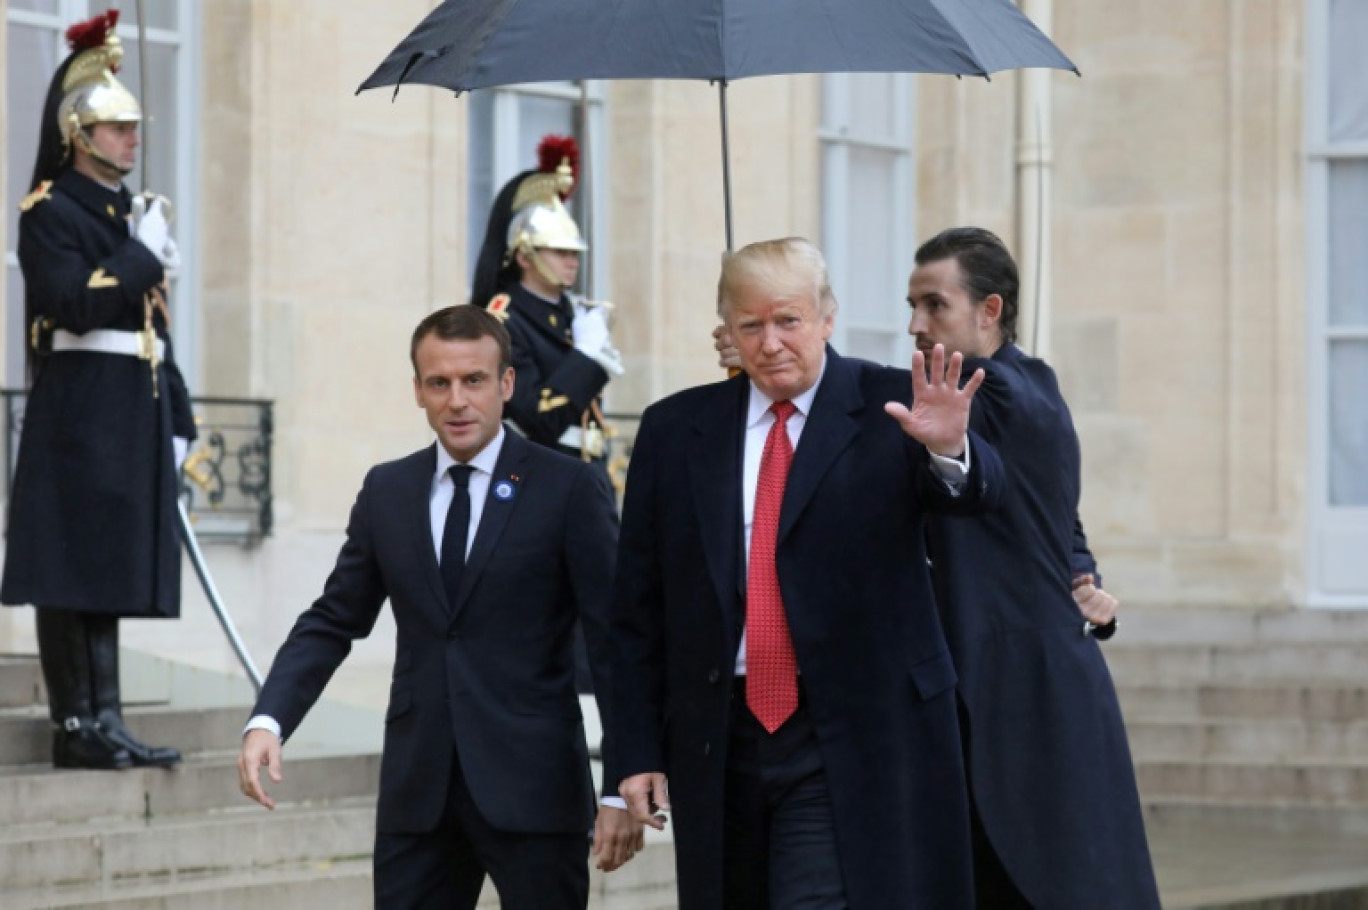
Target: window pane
{"x":30,"y":62}
{"x":880,"y":347}
{"x":160,"y":13}
{"x":536,"y":118}
{"x":1348,"y":242}
{"x":52,"y":7}
{"x":874,"y":285}
{"x":480,"y":172}
{"x":1348,"y":71}
{"x":1348,"y":423}
{"x":158,"y":132}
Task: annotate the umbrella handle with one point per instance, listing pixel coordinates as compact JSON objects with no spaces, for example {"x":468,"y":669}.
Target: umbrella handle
{"x":726,"y":160}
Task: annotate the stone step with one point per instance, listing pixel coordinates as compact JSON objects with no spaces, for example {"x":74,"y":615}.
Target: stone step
{"x":1152,"y":626}
{"x":1264,"y":740}
{"x":1233,"y":867}
{"x":1341,"y":662}
{"x":1302,"y":781}
{"x":21,"y":681}
{"x":342,"y":885}
{"x":1322,"y":702}
{"x":238,"y":840}
{"x":36,"y":794}
{"x":1287,"y":819}
{"x":26,"y":733}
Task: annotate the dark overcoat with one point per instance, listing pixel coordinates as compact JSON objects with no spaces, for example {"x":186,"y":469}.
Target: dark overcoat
{"x":489,"y":679}
{"x":852,"y":568}
{"x":92,"y":519}
{"x":1048,"y":760}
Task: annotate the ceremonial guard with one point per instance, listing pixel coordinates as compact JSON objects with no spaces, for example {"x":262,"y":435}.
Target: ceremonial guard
{"x":93,"y":532}
{"x":563,"y":353}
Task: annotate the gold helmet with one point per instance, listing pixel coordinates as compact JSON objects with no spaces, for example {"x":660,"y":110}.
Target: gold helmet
{"x":540,"y":219}
{"x":90,"y":93}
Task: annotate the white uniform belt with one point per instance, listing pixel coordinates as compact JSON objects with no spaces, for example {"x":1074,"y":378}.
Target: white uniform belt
{"x":104,"y":341}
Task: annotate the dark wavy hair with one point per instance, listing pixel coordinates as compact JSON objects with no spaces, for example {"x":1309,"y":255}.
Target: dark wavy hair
{"x":985,"y":267}
{"x":462,"y":323}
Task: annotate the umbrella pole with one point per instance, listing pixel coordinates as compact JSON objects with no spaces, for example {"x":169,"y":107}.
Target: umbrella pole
{"x":726,"y":160}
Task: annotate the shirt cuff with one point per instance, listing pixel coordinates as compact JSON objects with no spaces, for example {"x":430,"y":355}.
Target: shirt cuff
{"x":954,"y":472}
{"x":614,"y":802}
{"x":262,"y":722}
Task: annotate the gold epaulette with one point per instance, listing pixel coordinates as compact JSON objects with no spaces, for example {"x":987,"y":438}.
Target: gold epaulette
{"x":37,"y":196}
{"x":500,"y":306}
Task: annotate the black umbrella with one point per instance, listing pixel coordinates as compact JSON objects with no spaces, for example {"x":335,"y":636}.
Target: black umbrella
{"x":469,"y":44}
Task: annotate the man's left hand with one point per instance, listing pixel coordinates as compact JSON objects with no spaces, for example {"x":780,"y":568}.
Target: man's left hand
{"x":1098,"y":607}
{"x":939,"y":416}
{"x":617,"y":837}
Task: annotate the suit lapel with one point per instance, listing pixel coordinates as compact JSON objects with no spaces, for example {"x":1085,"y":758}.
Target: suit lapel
{"x":715,"y":477}
{"x":828,"y":430}
{"x":419,"y":504}
{"x":497,"y":511}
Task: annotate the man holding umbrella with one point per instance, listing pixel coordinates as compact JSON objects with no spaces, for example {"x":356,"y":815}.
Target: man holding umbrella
{"x":92,"y":533}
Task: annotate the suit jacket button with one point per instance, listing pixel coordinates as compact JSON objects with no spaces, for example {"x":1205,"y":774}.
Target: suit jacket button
{"x":713,"y":675}
{"x":707,"y":749}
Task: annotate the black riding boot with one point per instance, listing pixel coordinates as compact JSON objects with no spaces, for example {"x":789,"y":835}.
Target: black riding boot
{"x":62,"y":651}
{"x":103,"y":639}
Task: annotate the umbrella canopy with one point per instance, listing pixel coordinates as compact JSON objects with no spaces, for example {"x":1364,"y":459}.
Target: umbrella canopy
{"x":470,"y":44}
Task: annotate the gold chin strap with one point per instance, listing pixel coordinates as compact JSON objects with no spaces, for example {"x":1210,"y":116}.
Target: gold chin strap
{"x":543,"y":270}
{"x":83,"y":140}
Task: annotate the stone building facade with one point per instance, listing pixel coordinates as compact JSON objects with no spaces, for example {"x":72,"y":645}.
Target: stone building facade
{"x":1187,"y":258}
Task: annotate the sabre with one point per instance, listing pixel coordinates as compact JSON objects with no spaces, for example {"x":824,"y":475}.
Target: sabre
{"x":211,"y":591}
{"x":188,"y":533}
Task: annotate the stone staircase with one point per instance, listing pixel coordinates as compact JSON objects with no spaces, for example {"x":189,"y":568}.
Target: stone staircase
{"x":1252,"y":727}
{"x":186,"y":838}
{"x":180,"y":838}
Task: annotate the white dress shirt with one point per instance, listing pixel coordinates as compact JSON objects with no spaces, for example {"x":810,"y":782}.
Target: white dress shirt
{"x":439,"y":501}
{"x":759,"y":419}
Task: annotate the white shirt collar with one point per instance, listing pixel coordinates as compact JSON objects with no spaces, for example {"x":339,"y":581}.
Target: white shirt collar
{"x":484,"y":461}
{"x":760,"y":402}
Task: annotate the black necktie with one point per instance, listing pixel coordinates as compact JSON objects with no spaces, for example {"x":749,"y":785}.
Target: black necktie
{"x":456,"y":531}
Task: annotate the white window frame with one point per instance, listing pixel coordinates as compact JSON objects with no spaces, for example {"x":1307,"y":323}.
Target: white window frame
{"x":1332,"y":531}
{"x":837,"y":140}
{"x":509,"y":156}
{"x":185,"y":38}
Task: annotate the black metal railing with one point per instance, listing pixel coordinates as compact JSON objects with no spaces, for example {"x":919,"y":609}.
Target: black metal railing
{"x":226,"y":479}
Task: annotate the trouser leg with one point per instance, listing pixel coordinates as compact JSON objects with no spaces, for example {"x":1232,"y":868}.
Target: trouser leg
{"x":63,"y":652}
{"x":102,"y":639}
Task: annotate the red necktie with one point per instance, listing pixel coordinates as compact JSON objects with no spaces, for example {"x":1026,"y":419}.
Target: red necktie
{"x":771,"y":668}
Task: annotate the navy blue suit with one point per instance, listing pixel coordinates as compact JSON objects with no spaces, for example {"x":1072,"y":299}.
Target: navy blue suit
{"x":1049,"y":766}
{"x":876,"y":674}
{"x":487,"y":681}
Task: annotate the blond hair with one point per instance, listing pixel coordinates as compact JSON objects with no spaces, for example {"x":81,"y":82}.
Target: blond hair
{"x":787,"y":268}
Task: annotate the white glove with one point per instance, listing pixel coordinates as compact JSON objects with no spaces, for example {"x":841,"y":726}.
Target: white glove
{"x":170,"y":257}
{"x":590,"y":331}
{"x":180,"y":447}
{"x":150,"y":226}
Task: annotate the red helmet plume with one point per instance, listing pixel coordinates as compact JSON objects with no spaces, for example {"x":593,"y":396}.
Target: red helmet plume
{"x":92,"y":32}
{"x":555,"y":149}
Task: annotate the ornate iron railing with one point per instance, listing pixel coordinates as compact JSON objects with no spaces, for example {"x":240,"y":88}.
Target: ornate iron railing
{"x":226,"y":479}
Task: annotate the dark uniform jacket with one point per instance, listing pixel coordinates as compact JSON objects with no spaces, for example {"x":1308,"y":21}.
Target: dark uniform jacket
{"x":92,"y":520}
{"x":553,"y":383}
{"x":487,"y":680}
{"x":876,"y":672}
{"x":1049,"y":765}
